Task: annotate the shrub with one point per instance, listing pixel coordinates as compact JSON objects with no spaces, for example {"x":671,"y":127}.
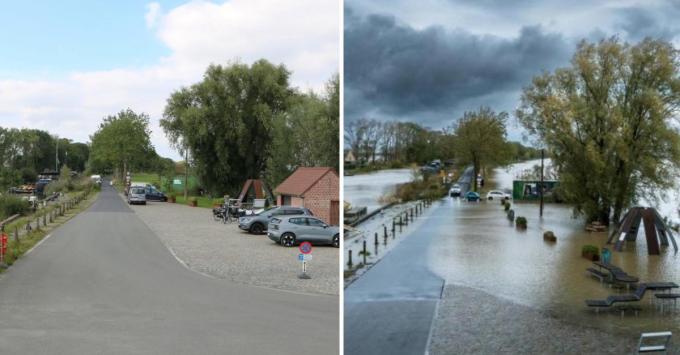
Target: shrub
{"x":11,"y":205}
{"x":590,"y":249}
{"x":521,"y":222}
{"x":507,"y":206}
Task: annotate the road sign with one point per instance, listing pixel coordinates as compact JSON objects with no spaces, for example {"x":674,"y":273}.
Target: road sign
{"x":304,"y":257}
{"x":305,"y":247}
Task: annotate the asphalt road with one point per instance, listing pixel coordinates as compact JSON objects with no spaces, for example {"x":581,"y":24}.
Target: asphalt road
{"x":390,"y":309}
{"x":103,"y":283}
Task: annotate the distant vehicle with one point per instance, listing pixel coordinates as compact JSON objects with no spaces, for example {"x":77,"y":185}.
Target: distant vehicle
{"x":291,"y":230}
{"x":137,"y":194}
{"x":152,"y":194}
{"x":97,"y":179}
{"x":472,"y":196}
{"x":259,"y":222}
{"x":454,"y":191}
{"x":497,"y":194}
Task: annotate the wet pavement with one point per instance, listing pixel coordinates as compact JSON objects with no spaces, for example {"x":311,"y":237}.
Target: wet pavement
{"x":390,"y":308}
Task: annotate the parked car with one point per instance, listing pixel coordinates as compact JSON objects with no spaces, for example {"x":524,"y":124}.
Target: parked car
{"x":454,"y":191}
{"x":259,"y":222}
{"x":137,"y":194}
{"x":291,"y":230}
{"x":472,"y":196}
{"x":497,"y":194}
{"x":152,"y":194}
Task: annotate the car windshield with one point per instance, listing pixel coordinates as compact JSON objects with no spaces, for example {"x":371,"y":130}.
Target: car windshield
{"x":137,"y":191}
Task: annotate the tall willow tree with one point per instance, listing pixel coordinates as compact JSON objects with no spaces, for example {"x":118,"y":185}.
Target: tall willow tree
{"x":610,"y":122}
{"x":226,"y":120}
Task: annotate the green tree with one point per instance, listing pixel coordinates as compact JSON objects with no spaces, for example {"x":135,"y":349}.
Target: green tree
{"x":121,"y":143}
{"x":306,"y":135}
{"x":608,"y":120}
{"x":226,"y":121}
{"x":480,"y":140}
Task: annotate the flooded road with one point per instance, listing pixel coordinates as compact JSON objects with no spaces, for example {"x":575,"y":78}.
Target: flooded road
{"x":367,"y":189}
{"x":478,"y":247}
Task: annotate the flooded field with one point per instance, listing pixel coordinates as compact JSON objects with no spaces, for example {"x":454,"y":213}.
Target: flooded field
{"x":367,"y":189}
{"x":478,"y":247}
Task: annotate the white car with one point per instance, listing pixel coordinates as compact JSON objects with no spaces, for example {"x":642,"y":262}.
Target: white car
{"x":497,"y":194}
{"x":454,"y":191}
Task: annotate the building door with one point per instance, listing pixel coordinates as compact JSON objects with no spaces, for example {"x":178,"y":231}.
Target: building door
{"x":335,"y":213}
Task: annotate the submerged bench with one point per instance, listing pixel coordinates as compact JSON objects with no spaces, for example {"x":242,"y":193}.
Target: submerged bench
{"x":645,"y":347}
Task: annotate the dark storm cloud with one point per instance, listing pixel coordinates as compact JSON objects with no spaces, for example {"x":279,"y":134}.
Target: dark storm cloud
{"x":393,"y":70}
{"x":660,"y":22}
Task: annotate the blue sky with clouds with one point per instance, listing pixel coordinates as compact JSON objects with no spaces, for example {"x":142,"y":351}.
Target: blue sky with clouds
{"x":64,"y":65}
{"x":40,"y":38}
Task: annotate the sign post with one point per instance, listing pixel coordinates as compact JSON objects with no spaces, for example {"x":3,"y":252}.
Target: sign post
{"x":306,"y":250}
{"x":3,"y":247}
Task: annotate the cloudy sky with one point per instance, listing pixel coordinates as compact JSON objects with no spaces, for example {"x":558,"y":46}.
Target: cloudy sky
{"x":64,"y":65}
{"x":431,"y":60}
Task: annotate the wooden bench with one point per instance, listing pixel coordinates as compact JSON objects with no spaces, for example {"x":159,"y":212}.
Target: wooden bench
{"x":645,"y":347}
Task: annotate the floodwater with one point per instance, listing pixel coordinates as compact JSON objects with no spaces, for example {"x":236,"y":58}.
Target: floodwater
{"x":480,"y":248}
{"x":367,"y":189}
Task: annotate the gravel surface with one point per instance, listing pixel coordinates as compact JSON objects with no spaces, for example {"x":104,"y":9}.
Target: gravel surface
{"x":470,"y":321}
{"x":224,"y":251}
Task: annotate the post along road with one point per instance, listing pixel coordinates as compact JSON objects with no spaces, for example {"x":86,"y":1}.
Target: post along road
{"x":103,"y":283}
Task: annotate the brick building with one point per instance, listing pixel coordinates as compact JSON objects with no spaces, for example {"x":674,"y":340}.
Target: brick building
{"x":317,"y":189}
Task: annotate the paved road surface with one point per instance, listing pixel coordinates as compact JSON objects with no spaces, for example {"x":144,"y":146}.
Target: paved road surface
{"x":389,"y":310}
{"x":105,"y":284}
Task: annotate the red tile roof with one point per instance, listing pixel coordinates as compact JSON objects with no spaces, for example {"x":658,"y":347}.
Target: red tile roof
{"x":302,"y":180}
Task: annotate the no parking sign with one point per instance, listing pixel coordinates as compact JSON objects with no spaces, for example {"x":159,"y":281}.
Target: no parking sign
{"x":306,"y":250}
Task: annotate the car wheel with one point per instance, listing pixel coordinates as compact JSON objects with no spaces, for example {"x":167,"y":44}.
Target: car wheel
{"x":336,"y":241}
{"x":490,"y":198}
{"x":256,"y":228}
{"x":288,"y":239}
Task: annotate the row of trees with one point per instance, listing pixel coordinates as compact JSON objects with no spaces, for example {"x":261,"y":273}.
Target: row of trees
{"x":25,"y":153}
{"x":477,"y":139}
{"x":246,"y":121}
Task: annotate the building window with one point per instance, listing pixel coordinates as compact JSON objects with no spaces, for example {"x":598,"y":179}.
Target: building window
{"x":286,"y":200}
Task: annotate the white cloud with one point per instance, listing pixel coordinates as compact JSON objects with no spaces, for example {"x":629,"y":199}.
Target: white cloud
{"x":302,"y":34}
{"x":153,"y":11}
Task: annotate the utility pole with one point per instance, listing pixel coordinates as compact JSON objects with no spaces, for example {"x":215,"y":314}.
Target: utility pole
{"x":541,"y":188}
{"x":186,"y":171}
{"x":56,"y":157}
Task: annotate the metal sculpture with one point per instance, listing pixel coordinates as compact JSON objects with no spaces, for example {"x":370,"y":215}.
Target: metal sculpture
{"x":656,"y":231}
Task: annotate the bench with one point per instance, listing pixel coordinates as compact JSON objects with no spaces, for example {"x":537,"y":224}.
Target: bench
{"x":667,"y":297}
{"x":645,"y":347}
{"x":598,"y":274}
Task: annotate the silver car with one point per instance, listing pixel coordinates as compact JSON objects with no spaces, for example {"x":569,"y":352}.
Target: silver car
{"x":137,"y":194}
{"x":259,"y":223}
{"x":291,"y":230}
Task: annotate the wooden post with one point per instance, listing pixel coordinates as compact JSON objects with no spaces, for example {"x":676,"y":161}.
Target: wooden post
{"x":364,"y":252}
{"x":349,"y":262}
{"x":16,"y":234}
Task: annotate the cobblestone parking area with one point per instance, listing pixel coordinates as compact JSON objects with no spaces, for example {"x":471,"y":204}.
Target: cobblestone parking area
{"x":470,"y":321}
{"x":224,"y":251}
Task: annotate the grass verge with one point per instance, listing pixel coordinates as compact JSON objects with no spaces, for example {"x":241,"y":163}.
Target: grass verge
{"x":17,"y":248}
